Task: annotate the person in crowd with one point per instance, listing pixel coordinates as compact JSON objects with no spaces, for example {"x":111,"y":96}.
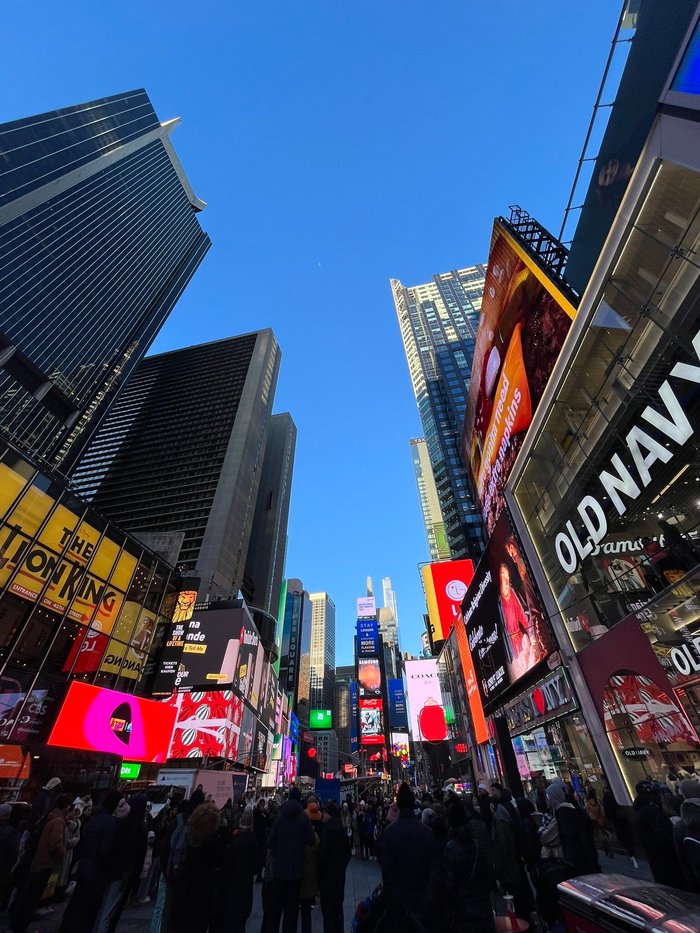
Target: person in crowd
{"x":241,"y":865}
{"x":479,"y":830}
{"x":43,"y":801}
{"x":196,"y":890}
{"x":48,"y":857}
{"x":290,"y":833}
{"x":529,"y":840}
{"x":9,"y":849}
{"x":308,"y":886}
{"x":686,"y":833}
{"x":507,"y":857}
{"x":143,"y":891}
{"x":260,"y":829}
{"x":404,"y":874}
{"x":616,"y":818}
{"x":483,"y":799}
{"x":333,"y":858}
{"x":313,"y":811}
{"x":596,"y":814}
{"x":370,"y":826}
{"x":346,"y":819}
{"x":575,"y":831}
{"x":434,"y":904}
{"x":360,"y":818}
{"x":73,"y":829}
{"x":124,"y":863}
{"x":91,"y":877}
{"x":467,"y":878}
{"x":655,"y":834}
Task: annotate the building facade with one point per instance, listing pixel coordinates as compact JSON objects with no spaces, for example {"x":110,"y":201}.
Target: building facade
{"x":181,"y":453}
{"x":99,"y":236}
{"x":295,"y":667}
{"x":342,"y":710}
{"x":322,"y":657}
{"x":433,"y":522}
{"x":438,"y":323}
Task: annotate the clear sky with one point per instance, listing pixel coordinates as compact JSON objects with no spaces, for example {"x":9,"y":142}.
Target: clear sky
{"x":338,"y":143}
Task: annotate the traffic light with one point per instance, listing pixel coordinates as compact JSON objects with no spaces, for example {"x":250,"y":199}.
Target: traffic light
{"x":308,"y":756}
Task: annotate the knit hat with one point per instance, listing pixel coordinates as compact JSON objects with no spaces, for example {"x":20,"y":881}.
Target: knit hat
{"x":392,"y":814}
{"x":313,"y":812}
{"x":556,"y":793}
{"x":246,"y":820}
{"x":689,"y":788}
{"x":427,"y":816}
{"x":405,"y":797}
{"x":644,"y":787}
{"x":295,"y":794}
{"x":5,"y":809}
{"x":122,"y":810}
{"x":54,"y":782}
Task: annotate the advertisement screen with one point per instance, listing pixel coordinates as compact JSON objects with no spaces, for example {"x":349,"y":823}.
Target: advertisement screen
{"x":425,"y":701}
{"x":524,"y":321}
{"x":353,"y":717}
{"x":100,"y":720}
{"x":398,"y":718}
{"x":371,"y":722}
{"x":207,"y":724}
{"x":367,"y":638}
{"x":369,"y":677}
{"x":399,"y":745}
{"x":445,"y":586}
{"x":321,"y":719}
{"x":129,"y":770}
{"x":476,"y":708}
{"x":14,"y":763}
{"x":24,"y":716}
{"x":366,"y":607}
{"x":506,"y":628}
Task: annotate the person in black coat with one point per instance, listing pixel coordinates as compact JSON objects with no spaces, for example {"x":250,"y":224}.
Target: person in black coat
{"x":655,"y":834}
{"x":126,"y":856}
{"x":575,"y":831}
{"x":405,"y":845}
{"x":238,"y":876}
{"x":291,"y":832}
{"x":333,"y":857}
{"x":197,"y":887}
{"x":467,"y":879}
{"x":483,"y":799}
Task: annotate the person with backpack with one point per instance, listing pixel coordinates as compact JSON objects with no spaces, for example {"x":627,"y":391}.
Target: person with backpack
{"x":655,"y":834}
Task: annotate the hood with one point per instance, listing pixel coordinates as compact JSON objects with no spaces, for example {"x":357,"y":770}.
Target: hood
{"x":502,"y":814}
{"x":291,"y":809}
{"x":690,"y":810}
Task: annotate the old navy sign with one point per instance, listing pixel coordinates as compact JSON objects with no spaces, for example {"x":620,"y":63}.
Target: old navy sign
{"x":552,"y":697}
{"x":642,"y":452}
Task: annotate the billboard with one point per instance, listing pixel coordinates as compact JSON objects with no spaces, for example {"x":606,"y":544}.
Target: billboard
{"x":321,"y":719}
{"x":14,"y":763}
{"x":506,"y":628}
{"x":354,"y":743}
{"x":478,"y":720}
{"x":25,"y":715}
{"x":445,"y":585}
{"x":425,"y":701}
{"x":369,"y":677}
{"x":524,"y":321}
{"x":100,"y":720}
{"x":367,"y":638}
{"x":366,"y":607}
{"x":398,"y":718}
{"x":399,"y":745}
{"x":207,"y":723}
{"x":371,"y":722}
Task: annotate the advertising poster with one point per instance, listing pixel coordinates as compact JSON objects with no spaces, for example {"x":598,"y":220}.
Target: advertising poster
{"x":131,"y":639}
{"x":638,"y":712}
{"x":100,"y":720}
{"x":367,"y":638}
{"x":425,"y":702}
{"x":445,"y":587}
{"x":506,"y":629}
{"x":399,"y":745}
{"x":366,"y":607}
{"x":24,"y":716}
{"x":371,"y":722}
{"x":369,"y":677}
{"x":398,"y":717}
{"x":244,"y":666}
{"x":524,"y":321}
{"x":354,"y":742}
{"x":478,"y":720}
{"x":246,"y":742}
{"x":207,"y":724}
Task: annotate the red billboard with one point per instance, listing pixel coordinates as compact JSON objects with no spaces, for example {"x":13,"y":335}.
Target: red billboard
{"x":524,"y":321}
{"x":99,"y":720}
{"x":208,"y":724}
{"x":371,"y":722}
{"x":445,"y":586}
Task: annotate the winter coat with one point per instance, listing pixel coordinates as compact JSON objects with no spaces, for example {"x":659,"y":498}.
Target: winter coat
{"x":291,"y":831}
{"x":52,"y":844}
{"x":506,"y":856}
{"x":467,"y":884}
{"x":240,"y":867}
{"x":576,"y":839}
{"x":686,"y":838}
{"x":308,"y":888}
{"x":72,"y":840}
{"x":333,"y":858}
{"x":655,"y":835}
{"x":484,"y":801}
{"x":196,"y":892}
{"x":128,"y":848}
{"x":9,"y":849}
{"x":95,"y":847}
{"x":404,"y":847}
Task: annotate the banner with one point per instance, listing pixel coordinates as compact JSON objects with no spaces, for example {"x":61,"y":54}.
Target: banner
{"x":207,"y":723}
{"x":367,"y":638}
{"x":369,"y":677}
{"x":371,"y":722}
{"x":425,"y":701}
{"x":445,"y":585}
{"x":398,"y":717}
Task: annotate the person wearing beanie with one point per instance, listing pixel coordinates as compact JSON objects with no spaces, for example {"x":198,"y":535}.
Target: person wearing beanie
{"x":125,"y":861}
{"x":333,"y":858}
{"x":313,"y":811}
{"x":403,"y":849}
{"x":242,"y":862}
{"x":655,"y":834}
{"x":284,"y":864}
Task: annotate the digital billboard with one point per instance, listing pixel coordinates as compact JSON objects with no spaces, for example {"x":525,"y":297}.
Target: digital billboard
{"x":425,"y":701}
{"x":524,"y":320}
{"x":371,"y":722}
{"x":14,"y":763}
{"x":398,"y":718}
{"x":478,"y":720}
{"x":101,"y":720}
{"x":353,"y":717}
{"x":208,"y":724}
{"x":129,"y":770}
{"x":506,"y":627}
{"x":369,"y":677}
{"x":445,"y":585}
{"x":399,"y":745}
{"x":366,"y":607}
{"x":320,"y":719}
{"x":25,"y":715}
{"x":367,"y":638}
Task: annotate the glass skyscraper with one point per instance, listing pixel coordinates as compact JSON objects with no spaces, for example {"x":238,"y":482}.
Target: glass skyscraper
{"x":99,"y":236}
{"x":438,"y":324}
{"x":322,"y":658}
{"x":435,"y":532}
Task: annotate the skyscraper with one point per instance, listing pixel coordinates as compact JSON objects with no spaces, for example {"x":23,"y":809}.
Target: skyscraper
{"x":342,"y":710}
{"x":322,"y":657}
{"x":180,"y":453}
{"x":98,"y":238}
{"x":435,"y":532}
{"x":295,"y":676}
{"x":264,"y":567}
{"x":438,"y":323}
{"x":390,"y":598}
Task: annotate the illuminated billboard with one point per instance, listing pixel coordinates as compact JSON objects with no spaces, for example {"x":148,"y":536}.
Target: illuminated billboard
{"x":399,"y":745}
{"x":100,"y":720}
{"x":321,"y":719}
{"x":369,"y":677}
{"x":425,"y":701}
{"x":524,"y":320}
{"x":366,"y":607}
{"x":371,"y":722}
{"x":398,"y":718}
{"x":505,"y":624}
{"x":367,"y":638}
{"x":445,"y":585}
{"x":478,"y":720}
{"x":208,"y":724}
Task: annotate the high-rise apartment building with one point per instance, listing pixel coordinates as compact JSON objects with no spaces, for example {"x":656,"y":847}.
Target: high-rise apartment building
{"x":180,"y":453}
{"x":438,"y":323}
{"x":322,"y":657}
{"x":98,"y":238}
{"x":342,"y":710}
{"x":264,"y":568}
{"x":435,"y":532}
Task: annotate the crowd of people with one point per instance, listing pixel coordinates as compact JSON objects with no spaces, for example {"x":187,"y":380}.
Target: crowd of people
{"x":443,"y":857}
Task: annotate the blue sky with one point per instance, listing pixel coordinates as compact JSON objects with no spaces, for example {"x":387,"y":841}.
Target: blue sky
{"x":338,"y":143}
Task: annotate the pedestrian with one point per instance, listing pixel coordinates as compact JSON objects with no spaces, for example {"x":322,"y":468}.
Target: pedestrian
{"x":313,"y":811}
{"x":617,"y":819}
{"x":197,"y":886}
{"x":333,"y":858}
{"x":241,"y":865}
{"x":528,"y":839}
{"x":507,"y":857}
{"x":483,"y":799}
{"x":48,"y":858}
{"x":360,"y":820}
{"x":43,"y":801}
{"x":124,"y":862}
{"x":479,"y":830}
{"x":73,"y":829}
{"x":9,"y":849}
{"x":260,"y":829}
{"x":596,"y":814}
{"x":290,"y":833}
{"x":403,"y":855}
{"x":655,"y":835}
{"x":468,"y":878}
{"x":575,"y":831}
{"x":308,"y":886}
{"x":346,"y":819}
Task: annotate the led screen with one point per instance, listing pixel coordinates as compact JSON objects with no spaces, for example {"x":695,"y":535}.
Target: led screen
{"x":425,"y":701}
{"x":371,"y":722}
{"x":369,"y":677}
{"x":445,"y":585}
{"x":321,"y":719}
{"x":367,"y":638}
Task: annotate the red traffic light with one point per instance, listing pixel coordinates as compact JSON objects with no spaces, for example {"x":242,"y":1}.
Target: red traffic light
{"x":311,"y":752}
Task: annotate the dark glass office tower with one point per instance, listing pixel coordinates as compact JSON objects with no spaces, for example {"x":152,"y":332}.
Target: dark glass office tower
{"x":264,"y":569}
{"x":178,"y":458}
{"x":98,"y":238}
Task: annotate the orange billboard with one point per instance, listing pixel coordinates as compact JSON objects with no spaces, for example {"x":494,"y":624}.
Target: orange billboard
{"x":475,"y":706}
